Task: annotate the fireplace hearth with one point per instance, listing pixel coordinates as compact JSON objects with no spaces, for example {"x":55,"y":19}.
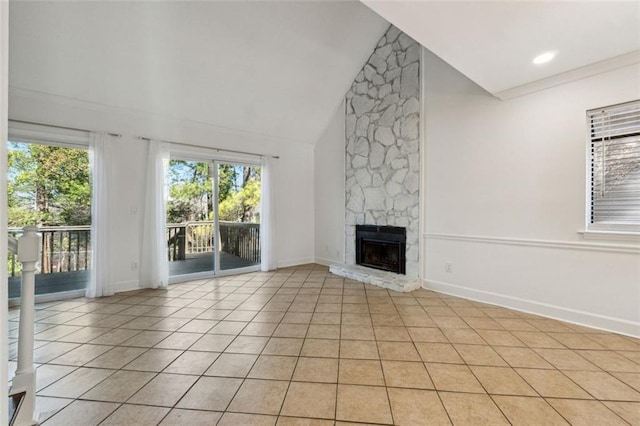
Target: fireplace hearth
{"x":381,"y":247}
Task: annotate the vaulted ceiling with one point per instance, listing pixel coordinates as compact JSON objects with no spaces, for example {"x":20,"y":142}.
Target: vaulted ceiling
{"x":493,"y":42}
{"x":278,"y":69}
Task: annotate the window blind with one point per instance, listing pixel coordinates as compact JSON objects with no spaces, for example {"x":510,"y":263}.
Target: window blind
{"x":614,"y":161}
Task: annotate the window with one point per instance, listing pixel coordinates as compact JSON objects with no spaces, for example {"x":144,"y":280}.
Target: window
{"x":614,"y":168}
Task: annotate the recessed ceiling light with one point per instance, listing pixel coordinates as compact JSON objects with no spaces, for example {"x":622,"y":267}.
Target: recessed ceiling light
{"x":544,"y":58}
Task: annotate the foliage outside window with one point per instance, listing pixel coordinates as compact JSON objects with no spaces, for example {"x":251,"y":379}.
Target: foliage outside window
{"x":614,"y":168}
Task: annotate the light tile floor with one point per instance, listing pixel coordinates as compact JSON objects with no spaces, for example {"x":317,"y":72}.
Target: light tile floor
{"x":303,"y":347}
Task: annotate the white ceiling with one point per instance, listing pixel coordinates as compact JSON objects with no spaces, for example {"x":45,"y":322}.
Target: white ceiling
{"x":494,"y":42}
{"x":273,"y":68}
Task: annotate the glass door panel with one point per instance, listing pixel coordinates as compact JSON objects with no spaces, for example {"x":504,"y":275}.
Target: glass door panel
{"x":190,"y":218}
{"x":238,"y":215}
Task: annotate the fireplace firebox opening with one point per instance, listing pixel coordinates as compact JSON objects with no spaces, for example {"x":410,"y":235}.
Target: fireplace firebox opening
{"x":381,"y":247}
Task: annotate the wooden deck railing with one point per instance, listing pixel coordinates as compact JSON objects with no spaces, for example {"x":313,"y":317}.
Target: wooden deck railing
{"x":64,"y":249}
{"x":238,"y":239}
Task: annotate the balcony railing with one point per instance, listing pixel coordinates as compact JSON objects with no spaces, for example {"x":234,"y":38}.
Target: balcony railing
{"x":64,"y":249}
{"x":238,"y":239}
{"x":68,"y":248}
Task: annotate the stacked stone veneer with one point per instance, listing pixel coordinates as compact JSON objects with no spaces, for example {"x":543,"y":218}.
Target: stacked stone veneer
{"x":382,"y":143}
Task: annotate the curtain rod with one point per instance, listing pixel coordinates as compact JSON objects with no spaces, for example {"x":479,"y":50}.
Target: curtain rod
{"x":146,"y":139}
{"x":62,"y":127}
{"x":277,"y":157}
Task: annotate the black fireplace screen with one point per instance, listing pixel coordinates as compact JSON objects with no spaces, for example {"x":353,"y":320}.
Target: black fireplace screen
{"x":381,"y":247}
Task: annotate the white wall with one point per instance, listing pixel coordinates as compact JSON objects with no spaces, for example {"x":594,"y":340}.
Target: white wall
{"x":294,"y":191}
{"x":505,"y":199}
{"x":330,"y":191}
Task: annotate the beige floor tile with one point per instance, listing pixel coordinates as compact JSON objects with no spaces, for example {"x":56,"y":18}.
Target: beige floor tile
{"x":316,"y":370}
{"x":454,"y":378}
{"x":417,"y":407}
{"x":146,"y":338}
{"x":392,"y":334}
{"x":438,"y":352}
{"x":85,"y":413}
{"x":322,"y":348}
{"x":273,"y":367}
{"x":361,"y":372}
{"x":260,"y":397}
{"x":363,"y":404}
{"x":163,"y":390}
{"x":630,"y":411}
{"x":138,"y":415}
{"x":283,"y":346}
{"x":479,"y":355}
{"x":499,"y":338}
{"x":232,"y":365}
{"x":48,"y":373}
{"x":291,"y":330}
{"x":117,"y":357}
{"x":297,"y":318}
{"x":463,"y":336}
{"x":537,"y":339}
{"x":84,"y":335}
{"x":585,"y":413}
{"x":49,"y":351}
{"x":469,"y":409}
{"x":398,"y":351}
{"x":263,"y":329}
{"x":247,"y":345}
{"x":153,"y":360}
{"x":212,"y":343}
{"x":76,"y":383}
{"x":632,"y":379}
{"x":233,"y":419}
{"x":611,"y":361}
{"x":178,"y":417}
{"x":534,"y":411}
{"x":425,"y":334}
{"x":81,"y":355}
{"x":228,"y":327}
{"x":404,"y":374}
{"x":210,"y":393}
{"x":357,"y":332}
{"x":522,"y":357}
{"x":603,"y":386}
{"x":552,"y":383}
{"x":323,"y":331}
{"x":179,"y":340}
{"x":576,"y":341}
{"x":566,"y":359}
{"x":192,"y":362}
{"x":502,"y":381}
{"x":317,"y":400}
{"x":119,"y":387}
{"x":48,"y":406}
{"x":301,"y":421}
{"x":114,"y":337}
{"x":359,"y":349}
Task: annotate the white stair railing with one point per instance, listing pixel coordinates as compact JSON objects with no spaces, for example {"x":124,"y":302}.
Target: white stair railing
{"x":28,"y":250}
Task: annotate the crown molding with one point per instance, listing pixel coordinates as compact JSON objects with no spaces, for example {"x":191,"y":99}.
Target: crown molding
{"x":596,"y":68}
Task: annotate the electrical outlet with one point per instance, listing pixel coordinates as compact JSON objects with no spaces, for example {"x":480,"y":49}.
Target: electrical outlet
{"x":448,"y":267}
{"x":134,"y":266}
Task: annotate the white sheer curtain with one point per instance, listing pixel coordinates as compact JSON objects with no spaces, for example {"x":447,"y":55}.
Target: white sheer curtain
{"x":267,"y":216}
{"x":154,"y":266}
{"x":101,"y":157}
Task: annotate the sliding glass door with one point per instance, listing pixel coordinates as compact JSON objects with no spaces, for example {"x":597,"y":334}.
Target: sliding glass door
{"x":238,"y":216}
{"x":213,"y":218}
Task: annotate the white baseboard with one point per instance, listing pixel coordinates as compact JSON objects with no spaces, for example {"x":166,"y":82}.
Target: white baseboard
{"x":295,"y":262}
{"x":326,"y":261}
{"x":588,"y":319}
{"x":127,"y":285}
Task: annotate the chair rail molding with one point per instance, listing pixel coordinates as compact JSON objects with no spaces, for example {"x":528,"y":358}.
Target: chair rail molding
{"x":528,"y":242}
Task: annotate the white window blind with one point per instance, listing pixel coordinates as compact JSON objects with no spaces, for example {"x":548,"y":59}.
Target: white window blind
{"x":614,"y":162}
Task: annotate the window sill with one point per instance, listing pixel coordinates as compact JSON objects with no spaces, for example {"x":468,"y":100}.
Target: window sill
{"x":627,"y":236}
